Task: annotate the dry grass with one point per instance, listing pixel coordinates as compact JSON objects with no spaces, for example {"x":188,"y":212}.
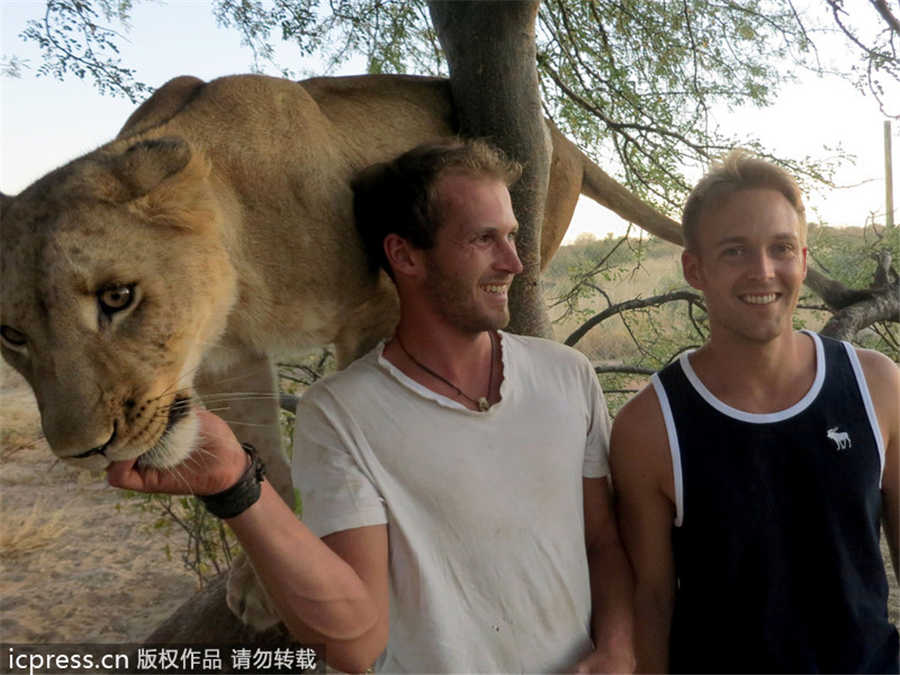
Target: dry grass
{"x":13,"y":442}
{"x":38,"y":528}
{"x":610,"y":340}
{"x":19,"y":422}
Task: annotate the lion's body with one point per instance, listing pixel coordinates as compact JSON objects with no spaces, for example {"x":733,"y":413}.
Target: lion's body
{"x":223,"y":211}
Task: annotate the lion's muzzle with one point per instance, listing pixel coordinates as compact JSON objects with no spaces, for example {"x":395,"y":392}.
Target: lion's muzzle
{"x":100,"y":449}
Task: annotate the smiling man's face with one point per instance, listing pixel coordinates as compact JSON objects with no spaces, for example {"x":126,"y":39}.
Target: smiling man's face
{"x":750,"y":263}
{"x":474,"y":259}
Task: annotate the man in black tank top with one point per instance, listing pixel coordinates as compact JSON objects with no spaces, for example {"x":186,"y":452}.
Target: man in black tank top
{"x":753,"y":473}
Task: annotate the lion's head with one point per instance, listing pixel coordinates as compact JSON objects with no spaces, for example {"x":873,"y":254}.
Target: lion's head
{"x":114,"y":282}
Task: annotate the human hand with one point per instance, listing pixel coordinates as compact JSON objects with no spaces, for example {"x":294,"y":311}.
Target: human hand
{"x":215,"y":464}
{"x":602,"y":661}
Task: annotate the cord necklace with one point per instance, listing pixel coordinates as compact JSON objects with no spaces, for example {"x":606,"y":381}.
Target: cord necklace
{"x":482,"y":402}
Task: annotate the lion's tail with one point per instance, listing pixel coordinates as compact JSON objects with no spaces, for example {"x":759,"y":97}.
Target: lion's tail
{"x":607,"y":191}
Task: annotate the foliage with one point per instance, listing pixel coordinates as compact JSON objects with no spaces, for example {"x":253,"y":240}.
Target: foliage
{"x":851,"y":256}
{"x":209,"y":546}
{"x":585,"y":280}
{"x":294,"y":378}
{"x":632,"y":82}
{"x":73,"y":41}
{"x":878,"y":42}
{"x":649,"y":73}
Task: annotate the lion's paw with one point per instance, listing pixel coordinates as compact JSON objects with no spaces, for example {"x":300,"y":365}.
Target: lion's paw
{"x":247,"y":598}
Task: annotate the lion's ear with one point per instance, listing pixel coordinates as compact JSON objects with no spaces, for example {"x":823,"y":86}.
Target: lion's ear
{"x":5,"y":200}
{"x":146,"y":164}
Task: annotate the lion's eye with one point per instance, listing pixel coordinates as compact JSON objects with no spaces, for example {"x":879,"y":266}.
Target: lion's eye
{"x":12,"y":336}
{"x":116,"y":298}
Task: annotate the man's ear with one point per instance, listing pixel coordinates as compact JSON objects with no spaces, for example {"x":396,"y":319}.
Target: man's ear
{"x":405,"y":259}
{"x":805,"y":267}
{"x":690,"y":266}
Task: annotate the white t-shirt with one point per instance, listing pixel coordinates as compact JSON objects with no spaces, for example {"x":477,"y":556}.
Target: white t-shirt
{"x":488,"y":570}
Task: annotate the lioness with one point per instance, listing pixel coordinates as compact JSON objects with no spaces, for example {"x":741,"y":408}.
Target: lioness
{"x":214,"y":234}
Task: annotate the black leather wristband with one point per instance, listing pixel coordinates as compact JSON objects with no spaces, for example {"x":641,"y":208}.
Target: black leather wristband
{"x":242,"y":495}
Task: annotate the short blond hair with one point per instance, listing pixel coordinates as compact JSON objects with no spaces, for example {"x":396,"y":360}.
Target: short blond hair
{"x":739,"y":170}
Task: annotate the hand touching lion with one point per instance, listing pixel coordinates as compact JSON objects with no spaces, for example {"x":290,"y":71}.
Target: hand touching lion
{"x":170,"y":267}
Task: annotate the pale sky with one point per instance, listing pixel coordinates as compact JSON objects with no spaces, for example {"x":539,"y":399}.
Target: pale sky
{"x":44,"y":122}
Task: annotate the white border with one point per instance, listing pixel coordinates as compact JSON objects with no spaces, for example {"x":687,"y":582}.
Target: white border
{"x":674,"y":448}
{"x":867,"y":400}
{"x":760,"y":418}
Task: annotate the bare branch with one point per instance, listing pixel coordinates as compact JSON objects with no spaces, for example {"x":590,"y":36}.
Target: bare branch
{"x":628,"y":370}
{"x":636,"y":303}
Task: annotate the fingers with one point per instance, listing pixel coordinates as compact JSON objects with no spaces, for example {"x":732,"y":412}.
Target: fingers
{"x":123,"y":475}
{"x":126,"y":475}
{"x":216,"y":463}
{"x":213,"y":430}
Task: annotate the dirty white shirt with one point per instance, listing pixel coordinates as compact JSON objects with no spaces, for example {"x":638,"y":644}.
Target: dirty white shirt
{"x":488,"y":570}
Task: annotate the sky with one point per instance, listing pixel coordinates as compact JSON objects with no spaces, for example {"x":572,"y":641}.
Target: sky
{"x":45,"y":123}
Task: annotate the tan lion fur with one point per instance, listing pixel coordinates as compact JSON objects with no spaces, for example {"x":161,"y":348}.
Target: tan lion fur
{"x":227,"y":206}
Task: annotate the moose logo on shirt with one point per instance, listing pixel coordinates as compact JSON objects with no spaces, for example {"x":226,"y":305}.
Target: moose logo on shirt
{"x":841,"y":438}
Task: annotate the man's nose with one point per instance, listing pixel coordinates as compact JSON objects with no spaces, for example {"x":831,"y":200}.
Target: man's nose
{"x":761,"y":265}
{"x":509,"y":260}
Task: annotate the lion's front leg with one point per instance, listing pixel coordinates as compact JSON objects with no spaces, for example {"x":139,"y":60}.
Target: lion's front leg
{"x":246,"y":597}
{"x":245,"y":395}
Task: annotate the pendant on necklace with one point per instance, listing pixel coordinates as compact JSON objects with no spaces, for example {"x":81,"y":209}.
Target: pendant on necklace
{"x":483,"y":404}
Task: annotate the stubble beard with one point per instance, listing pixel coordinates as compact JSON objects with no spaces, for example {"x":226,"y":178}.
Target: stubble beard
{"x":454,"y":302}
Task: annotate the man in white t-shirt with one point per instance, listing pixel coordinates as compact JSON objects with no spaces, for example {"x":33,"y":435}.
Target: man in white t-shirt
{"x":456,"y":507}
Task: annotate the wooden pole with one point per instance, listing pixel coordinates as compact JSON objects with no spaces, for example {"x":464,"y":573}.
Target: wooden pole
{"x":888,"y":177}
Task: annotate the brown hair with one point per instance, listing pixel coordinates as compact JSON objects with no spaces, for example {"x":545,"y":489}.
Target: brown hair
{"x":738,"y":171}
{"x":398,"y":197}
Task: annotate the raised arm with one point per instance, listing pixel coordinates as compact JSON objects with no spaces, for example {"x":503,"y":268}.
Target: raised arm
{"x":331,"y":591}
{"x":642,"y":478}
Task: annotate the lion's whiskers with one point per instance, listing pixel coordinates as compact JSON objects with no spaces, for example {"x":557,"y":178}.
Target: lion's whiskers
{"x":173,"y":470}
{"x":245,"y":424}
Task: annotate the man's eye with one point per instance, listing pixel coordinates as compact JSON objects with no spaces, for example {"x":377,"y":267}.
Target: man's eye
{"x":783,"y":250}
{"x":733,"y":252}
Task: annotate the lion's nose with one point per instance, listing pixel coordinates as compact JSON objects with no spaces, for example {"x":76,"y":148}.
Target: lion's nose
{"x":100,"y":449}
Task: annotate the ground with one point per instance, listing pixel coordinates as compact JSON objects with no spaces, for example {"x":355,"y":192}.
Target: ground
{"x":78,"y":561}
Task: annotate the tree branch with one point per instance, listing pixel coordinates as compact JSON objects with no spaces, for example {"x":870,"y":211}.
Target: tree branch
{"x":628,"y":370}
{"x":835,"y":294}
{"x":880,"y":306}
{"x":882,"y":8}
{"x":636,"y":303}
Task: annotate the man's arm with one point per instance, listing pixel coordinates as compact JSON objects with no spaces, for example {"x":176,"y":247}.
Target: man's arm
{"x":642,"y":475}
{"x":883,"y":379}
{"x":331,"y":591}
{"x":612,"y":588}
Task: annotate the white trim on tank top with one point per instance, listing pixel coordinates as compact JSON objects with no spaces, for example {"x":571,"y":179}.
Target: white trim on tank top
{"x":725,"y":409}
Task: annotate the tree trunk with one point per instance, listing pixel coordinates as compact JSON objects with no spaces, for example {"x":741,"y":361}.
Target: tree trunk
{"x":855,"y":309}
{"x":490,"y":48}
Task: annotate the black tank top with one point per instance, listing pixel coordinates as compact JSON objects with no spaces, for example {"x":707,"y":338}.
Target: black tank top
{"x":776,"y":538}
